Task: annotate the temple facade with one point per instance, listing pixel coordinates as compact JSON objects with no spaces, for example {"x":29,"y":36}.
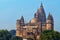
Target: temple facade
{"x":35,"y":26}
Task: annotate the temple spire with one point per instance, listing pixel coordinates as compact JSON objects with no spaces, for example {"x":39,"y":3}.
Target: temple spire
{"x":42,"y":9}
{"x":41,"y":5}
{"x":40,"y":14}
{"x":22,"y":18}
{"x":50,"y":17}
{"x":22,"y":21}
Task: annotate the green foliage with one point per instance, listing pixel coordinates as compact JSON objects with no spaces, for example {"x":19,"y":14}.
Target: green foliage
{"x":49,"y":35}
{"x":29,"y":39}
{"x":45,"y":35}
{"x":16,"y":38}
{"x":4,"y":35}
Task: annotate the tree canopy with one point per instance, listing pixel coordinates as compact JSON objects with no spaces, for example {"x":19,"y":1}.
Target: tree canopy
{"x":45,"y":35}
{"x":49,"y":35}
{"x":4,"y":35}
{"x":16,"y":38}
{"x":29,"y":39}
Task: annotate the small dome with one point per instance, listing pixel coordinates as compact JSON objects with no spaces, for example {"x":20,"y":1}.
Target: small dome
{"x":34,"y":20}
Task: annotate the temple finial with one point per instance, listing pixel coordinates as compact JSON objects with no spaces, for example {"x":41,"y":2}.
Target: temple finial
{"x":41,"y":5}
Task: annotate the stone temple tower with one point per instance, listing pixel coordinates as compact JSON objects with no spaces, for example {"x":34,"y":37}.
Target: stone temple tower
{"x":50,"y":22}
{"x":41,"y":17}
{"x":19,"y":26}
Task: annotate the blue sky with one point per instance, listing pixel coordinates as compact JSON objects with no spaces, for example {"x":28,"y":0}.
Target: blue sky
{"x":11,"y":10}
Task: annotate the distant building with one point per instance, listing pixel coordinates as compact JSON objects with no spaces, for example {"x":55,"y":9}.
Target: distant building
{"x":35,"y":26}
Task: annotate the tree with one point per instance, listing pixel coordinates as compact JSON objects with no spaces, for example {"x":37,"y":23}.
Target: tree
{"x":49,"y":35}
{"x":29,"y":39}
{"x":16,"y":38}
{"x":13,"y":32}
{"x":4,"y":35}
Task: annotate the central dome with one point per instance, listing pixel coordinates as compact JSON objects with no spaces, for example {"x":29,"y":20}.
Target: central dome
{"x":33,"y":20}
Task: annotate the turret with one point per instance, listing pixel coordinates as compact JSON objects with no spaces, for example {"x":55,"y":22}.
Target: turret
{"x":49,"y":22}
{"x":19,"y":26}
{"x":22,"y":21}
{"x":40,"y":14}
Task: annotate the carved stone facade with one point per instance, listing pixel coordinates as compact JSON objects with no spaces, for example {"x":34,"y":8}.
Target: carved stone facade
{"x":35,"y":26}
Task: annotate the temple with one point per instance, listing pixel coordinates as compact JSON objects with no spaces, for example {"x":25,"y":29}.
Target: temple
{"x":35,"y":26}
